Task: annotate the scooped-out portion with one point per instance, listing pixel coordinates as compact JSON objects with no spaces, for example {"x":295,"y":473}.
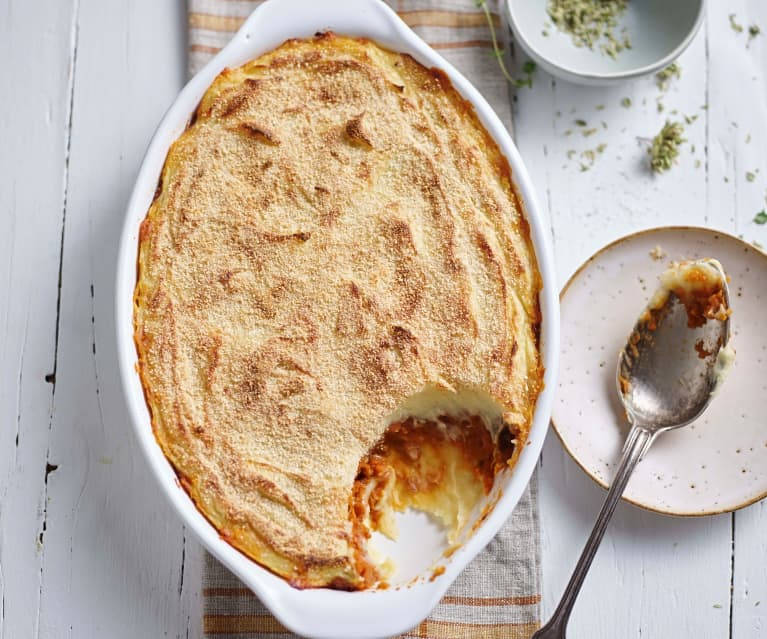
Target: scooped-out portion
{"x":441,"y":460}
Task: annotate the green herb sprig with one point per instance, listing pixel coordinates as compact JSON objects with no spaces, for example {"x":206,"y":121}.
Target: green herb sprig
{"x":528,"y":68}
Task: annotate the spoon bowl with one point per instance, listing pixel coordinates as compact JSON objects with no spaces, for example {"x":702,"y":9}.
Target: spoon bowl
{"x":667,"y":371}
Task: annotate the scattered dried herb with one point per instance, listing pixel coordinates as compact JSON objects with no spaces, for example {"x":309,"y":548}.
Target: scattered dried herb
{"x":626,"y":103}
{"x":664,"y":76}
{"x":737,"y":28}
{"x":591,"y":23}
{"x":600,"y":107}
{"x":580,"y":122}
{"x":753,"y":31}
{"x":665,"y":146}
{"x":761,"y":217}
{"x":750,"y":176}
{"x":589,"y":132}
{"x":589,"y":156}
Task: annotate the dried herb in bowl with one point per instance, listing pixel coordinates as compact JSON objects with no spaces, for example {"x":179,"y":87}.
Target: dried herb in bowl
{"x":591,"y":23}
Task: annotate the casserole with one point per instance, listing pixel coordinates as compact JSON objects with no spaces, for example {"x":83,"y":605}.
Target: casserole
{"x":323,"y":613}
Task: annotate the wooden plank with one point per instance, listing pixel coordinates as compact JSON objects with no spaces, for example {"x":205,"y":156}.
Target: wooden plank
{"x":115,"y":555}
{"x":749,"y":593}
{"x":738,"y":135}
{"x":653,"y":576}
{"x":36,"y":45}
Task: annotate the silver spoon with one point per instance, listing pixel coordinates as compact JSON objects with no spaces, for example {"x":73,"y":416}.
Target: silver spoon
{"x":666,"y":378}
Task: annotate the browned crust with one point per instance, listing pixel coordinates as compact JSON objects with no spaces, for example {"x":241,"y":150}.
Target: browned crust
{"x":457,"y":299}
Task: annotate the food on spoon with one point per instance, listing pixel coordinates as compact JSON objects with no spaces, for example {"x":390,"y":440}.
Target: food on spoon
{"x":336,"y":311}
{"x":725,"y":360}
{"x":699,"y":285}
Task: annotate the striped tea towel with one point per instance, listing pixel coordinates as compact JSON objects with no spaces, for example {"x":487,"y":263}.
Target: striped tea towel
{"x":498,"y":595}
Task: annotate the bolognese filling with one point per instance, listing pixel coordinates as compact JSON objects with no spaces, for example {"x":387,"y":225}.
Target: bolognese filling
{"x":442,"y":466}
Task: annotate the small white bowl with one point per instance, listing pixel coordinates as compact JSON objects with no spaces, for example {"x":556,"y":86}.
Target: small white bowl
{"x":324,"y":613}
{"x":659,"y":30}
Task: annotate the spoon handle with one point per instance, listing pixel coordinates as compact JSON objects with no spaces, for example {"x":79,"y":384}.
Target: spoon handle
{"x":637,"y":443}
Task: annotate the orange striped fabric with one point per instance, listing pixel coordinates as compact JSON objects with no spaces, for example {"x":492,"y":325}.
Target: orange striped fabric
{"x":416,"y":18}
{"x":267,"y":626}
{"x":498,"y":594}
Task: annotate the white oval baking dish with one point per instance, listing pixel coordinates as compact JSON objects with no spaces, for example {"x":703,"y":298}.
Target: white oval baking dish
{"x":324,"y":613}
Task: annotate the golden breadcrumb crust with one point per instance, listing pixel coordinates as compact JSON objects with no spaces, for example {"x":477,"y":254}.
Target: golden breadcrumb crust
{"x":334,"y":232}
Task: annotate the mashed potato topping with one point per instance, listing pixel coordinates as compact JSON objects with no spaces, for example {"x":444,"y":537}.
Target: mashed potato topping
{"x":337,"y":294}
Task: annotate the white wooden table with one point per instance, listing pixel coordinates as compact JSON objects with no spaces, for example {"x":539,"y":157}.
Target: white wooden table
{"x":88,"y":546}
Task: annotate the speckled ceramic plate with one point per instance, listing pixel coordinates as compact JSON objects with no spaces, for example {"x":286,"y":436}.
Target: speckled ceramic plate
{"x":718,"y":463}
